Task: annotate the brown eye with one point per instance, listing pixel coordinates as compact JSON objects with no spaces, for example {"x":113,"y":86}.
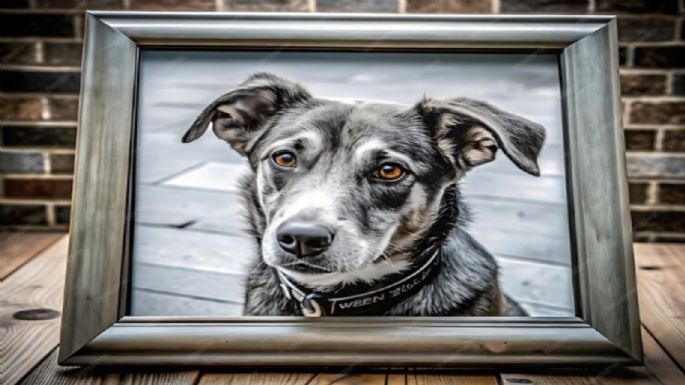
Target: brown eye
{"x":284,"y":159}
{"x":389,"y":172}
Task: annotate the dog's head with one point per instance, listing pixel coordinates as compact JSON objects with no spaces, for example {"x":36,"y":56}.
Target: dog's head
{"x":345,"y":191}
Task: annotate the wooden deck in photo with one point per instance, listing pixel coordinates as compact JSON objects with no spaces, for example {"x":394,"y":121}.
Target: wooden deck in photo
{"x":190,"y":250}
{"x":31,"y":296}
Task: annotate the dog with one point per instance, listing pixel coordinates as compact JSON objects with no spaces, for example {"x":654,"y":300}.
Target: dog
{"x":355,"y":207}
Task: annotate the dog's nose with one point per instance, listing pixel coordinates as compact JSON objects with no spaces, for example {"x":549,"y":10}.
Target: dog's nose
{"x":303,"y":239}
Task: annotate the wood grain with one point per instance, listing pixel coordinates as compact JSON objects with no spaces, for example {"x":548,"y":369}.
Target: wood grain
{"x":349,"y":379}
{"x":35,"y":290}
{"x":660,"y":270}
{"x":17,"y":248}
{"x":257,"y":378}
{"x":450,"y":379}
{"x":658,"y":363}
{"x":49,"y":373}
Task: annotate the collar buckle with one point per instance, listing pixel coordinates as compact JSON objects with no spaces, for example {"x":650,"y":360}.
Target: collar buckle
{"x":309,"y":306}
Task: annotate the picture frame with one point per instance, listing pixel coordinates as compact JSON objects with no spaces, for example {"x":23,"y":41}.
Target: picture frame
{"x":95,"y":329}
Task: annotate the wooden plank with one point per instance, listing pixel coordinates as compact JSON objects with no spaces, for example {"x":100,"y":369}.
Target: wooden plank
{"x":49,"y":373}
{"x":257,"y":378}
{"x":527,"y":246}
{"x":175,"y":206}
{"x":484,"y":183}
{"x":191,"y":249}
{"x":660,"y":271}
{"x":349,"y":379}
{"x":31,"y":298}
{"x":521,"y":218}
{"x":193,"y":283}
{"x":17,"y":248}
{"x":145,"y":303}
{"x":658,"y":363}
{"x":658,"y":369}
{"x":537,"y":283}
{"x":418,"y":378}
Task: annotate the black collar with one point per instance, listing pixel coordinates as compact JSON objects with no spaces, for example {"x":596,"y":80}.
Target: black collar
{"x":373,"y":300}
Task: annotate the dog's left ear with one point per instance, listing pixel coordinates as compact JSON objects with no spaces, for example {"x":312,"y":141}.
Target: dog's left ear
{"x":469,"y":132}
{"x":239,"y":115}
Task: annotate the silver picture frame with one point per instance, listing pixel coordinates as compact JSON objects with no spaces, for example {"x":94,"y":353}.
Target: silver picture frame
{"x":605,"y":330}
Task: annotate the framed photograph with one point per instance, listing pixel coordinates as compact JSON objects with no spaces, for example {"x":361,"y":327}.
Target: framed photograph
{"x":305,"y":189}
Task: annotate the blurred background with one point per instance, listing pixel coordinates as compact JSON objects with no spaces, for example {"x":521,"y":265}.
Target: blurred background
{"x":40,"y":52}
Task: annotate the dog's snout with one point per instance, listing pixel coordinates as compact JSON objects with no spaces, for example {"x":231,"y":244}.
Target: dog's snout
{"x":304,"y":239}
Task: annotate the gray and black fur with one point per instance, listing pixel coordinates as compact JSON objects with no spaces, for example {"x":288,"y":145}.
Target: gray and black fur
{"x":377,"y":227}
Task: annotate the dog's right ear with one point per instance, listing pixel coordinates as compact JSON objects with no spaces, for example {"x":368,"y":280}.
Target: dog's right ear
{"x":239,"y":115}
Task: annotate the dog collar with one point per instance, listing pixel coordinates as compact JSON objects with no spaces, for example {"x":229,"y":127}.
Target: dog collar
{"x":373,"y":301}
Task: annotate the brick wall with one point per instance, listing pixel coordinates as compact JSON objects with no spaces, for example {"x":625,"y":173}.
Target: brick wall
{"x":40,"y":49}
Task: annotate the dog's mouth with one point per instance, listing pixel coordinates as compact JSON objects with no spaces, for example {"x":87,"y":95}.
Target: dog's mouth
{"x":304,"y":267}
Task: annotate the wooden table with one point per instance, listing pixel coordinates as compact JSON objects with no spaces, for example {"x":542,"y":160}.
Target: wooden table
{"x":32,"y":270}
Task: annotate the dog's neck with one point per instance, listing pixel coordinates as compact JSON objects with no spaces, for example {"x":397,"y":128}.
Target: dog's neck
{"x":362,"y":299}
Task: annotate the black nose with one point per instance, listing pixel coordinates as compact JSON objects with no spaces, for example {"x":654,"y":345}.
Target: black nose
{"x":303,"y":239}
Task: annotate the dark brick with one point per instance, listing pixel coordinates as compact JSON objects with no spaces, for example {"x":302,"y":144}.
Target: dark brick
{"x":357,"y":6}
{"x":62,"y":163}
{"x":79,"y":4}
{"x":623,"y":56}
{"x":674,"y":140}
{"x":655,"y":165}
{"x":44,"y":81}
{"x":639,"y":140}
{"x":37,"y":188}
{"x":43,"y":136}
{"x":15,"y":4}
{"x":21,"y":109}
{"x":638,"y":6}
{"x":18,"y":53}
{"x":679,"y":84}
{"x":660,"y":57}
{"x":266,"y":5}
{"x":174,"y":5}
{"x":672,"y":112}
{"x":645,"y":29}
{"x":669,"y":220}
{"x":20,"y":24}
{"x":552,"y":6}
{"x":19,"y":214}
{"x":638,"y":192}
{"x":449,"y":6}
{"x":643,"y":84}
{"x":16,"y":162}
{"x":63,"y":108}
{"x":62,"y":214}
{"x":672,"y":193}
{"x":62,"y":53}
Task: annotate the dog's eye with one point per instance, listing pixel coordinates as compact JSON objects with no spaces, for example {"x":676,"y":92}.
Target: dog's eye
{"x":389,"y":172}
{"x":284,"y":159}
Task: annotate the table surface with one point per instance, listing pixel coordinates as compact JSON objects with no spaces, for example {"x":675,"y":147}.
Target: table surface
{"x":32,"y":267}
